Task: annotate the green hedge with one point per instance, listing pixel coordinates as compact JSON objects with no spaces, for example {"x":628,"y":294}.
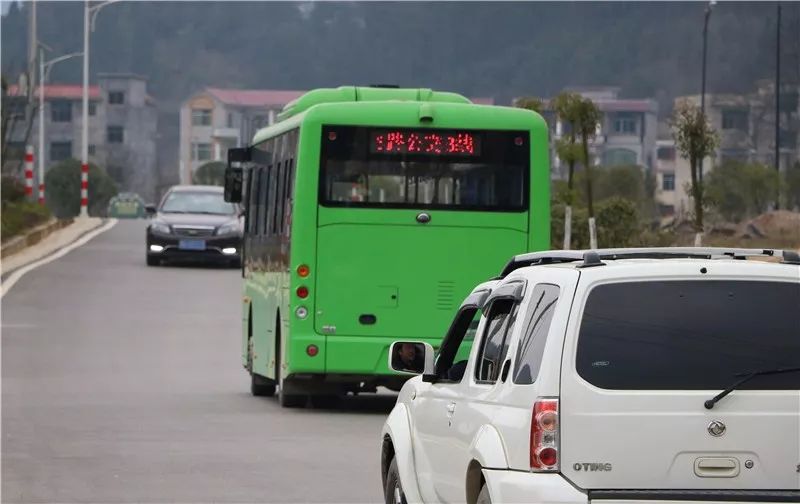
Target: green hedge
{"x":63,"y":189}
{"x":21,"y":216}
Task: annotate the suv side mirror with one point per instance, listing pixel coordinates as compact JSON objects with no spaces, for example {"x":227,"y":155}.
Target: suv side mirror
{"x":150,"y":209}
{"x":412,"y":357}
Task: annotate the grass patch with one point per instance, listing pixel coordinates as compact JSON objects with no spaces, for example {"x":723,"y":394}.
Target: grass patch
{"x":21,"y":216}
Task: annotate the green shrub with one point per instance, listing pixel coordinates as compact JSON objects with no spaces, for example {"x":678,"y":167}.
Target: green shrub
{"x":12,"y":189}
{"x":20,"y":216}
{"x":63,"y":193}
{"x":211,"y":173}
{"x":617,"y":220}
{"x":739,"y":190}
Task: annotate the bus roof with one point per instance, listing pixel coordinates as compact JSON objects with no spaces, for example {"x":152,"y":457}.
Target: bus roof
{"x":345,"y":94}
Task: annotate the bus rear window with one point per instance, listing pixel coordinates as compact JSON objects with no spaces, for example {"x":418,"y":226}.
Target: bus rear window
{"x":690,"y":335}
{"x":425,"y":168}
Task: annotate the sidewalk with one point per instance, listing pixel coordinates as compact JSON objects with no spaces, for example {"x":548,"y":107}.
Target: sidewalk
{"x":53,"y":242}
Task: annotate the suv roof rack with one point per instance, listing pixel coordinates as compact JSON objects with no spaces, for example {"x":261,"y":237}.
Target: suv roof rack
{"x":591,"y":258}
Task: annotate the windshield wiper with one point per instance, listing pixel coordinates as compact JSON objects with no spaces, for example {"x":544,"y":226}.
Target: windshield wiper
{"x":747,"y":377}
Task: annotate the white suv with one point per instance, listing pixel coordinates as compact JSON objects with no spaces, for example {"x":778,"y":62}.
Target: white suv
{"x":614,"y":376}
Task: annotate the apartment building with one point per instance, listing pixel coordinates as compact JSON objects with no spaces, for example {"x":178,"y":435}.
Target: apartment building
{"x":122,"y":129}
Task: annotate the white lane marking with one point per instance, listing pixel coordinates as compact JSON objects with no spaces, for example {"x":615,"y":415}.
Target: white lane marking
{"x":15,"y":276}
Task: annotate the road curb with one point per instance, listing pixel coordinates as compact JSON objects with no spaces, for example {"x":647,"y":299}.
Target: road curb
{"x":32,"y":237}
{"x":38,"y":236}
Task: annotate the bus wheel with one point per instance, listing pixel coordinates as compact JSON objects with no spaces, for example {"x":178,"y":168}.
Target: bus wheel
{"x":259,"y":385}
{"x":284,"y":399}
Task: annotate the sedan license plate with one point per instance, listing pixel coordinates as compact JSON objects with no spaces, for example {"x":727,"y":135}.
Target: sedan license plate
{"x":192,"y":245}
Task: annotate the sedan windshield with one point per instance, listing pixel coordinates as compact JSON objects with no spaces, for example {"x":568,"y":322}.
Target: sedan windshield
{"x":202,"y":202}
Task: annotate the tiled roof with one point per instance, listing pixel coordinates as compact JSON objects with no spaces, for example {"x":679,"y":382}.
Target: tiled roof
{"x":66,"y":91}
{"x":254,"y":97}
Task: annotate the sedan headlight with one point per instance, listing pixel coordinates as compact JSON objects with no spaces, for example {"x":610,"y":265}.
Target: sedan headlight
{"x":229,"y":228}
{"x":160,"y":227}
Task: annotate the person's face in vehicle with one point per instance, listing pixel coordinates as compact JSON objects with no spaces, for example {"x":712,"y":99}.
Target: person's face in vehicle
{"x":407,"y":352}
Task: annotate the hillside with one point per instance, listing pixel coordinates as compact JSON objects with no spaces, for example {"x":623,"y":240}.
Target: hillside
{"x":481,"y":49}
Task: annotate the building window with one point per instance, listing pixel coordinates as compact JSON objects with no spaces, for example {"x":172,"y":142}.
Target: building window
{"x":201,"y":151}
{"x":116,"y":98}
{"x":668,"y":182}
{"x":201,"y":117}
{"x":734,"y":120}
{"x":61,"y":111}
{"x":619,"y":157}
{"x":115,"y":134}
{"x":92,"y":108}
{"x":625,"y":124}
{"x":92,"y":149}
{"x":230,"y":120}
{"x":60,"y":151}
{"x":666,"y":153}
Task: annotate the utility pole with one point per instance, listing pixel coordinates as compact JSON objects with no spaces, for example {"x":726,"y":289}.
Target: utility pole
{"x":778,"y":105}
{"x":89,"y":15}
{"x":44,"y":69}
{"x":703,"y":84}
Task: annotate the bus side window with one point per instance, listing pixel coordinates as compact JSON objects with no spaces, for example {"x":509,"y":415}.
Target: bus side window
{"x":277,"y":202}
{"x":264,"y":201}
{"x":255,"y":192}
{"x":287,"y":201}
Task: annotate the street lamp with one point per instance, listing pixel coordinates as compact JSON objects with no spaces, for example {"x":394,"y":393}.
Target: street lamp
{"x":703,"y":85}
{"x":89,"y":16}
{"x":44,"y":68}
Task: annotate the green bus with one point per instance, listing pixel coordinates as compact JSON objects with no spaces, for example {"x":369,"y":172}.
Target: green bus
{"x":370,"y":213}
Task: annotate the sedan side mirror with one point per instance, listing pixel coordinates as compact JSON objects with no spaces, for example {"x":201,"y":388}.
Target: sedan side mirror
{"x":413,"y":357}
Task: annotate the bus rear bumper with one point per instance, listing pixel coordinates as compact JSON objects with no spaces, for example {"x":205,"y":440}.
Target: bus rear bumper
{"x":345,"y":363}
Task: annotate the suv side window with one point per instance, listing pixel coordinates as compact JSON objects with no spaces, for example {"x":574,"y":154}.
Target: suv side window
{"x":494,"y":345}
{"x":452,"y":360}
{"x":543,"y":301}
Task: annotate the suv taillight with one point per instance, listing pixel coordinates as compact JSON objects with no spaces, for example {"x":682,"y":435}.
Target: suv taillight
{"x":544,"y":436}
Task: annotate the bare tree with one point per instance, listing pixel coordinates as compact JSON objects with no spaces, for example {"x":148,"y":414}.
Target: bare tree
{"x":695,"y":140}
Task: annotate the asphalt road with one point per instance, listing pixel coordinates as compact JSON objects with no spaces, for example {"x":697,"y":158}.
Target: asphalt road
{"x":123,"y":383}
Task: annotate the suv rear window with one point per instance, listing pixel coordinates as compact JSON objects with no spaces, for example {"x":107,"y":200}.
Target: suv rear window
{"x":690,"y":335}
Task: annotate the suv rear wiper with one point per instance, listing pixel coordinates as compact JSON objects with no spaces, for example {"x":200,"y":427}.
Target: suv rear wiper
{"x":747,"y":377}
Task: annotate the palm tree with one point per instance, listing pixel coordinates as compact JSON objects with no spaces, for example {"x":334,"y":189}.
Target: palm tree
{"x":566,"y":106}
{"x":588,"y":116}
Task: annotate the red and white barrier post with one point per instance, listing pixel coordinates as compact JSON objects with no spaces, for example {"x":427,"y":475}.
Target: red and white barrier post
{"x":29,"y":171}
{"x":84,"y":189}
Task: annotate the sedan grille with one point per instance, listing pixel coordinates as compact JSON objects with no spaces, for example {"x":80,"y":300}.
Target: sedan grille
{"x":193,"y":231}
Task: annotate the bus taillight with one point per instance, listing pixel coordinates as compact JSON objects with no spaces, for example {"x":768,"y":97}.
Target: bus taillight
{"x":302,"y":292}
{"x":303,"y":270}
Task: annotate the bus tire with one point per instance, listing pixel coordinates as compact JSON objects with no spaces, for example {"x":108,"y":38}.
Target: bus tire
{"x":285,"y":399}
{"x":260,"y":386}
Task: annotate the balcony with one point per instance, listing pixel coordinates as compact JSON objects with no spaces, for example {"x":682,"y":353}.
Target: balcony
{"x":229,"y":133}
